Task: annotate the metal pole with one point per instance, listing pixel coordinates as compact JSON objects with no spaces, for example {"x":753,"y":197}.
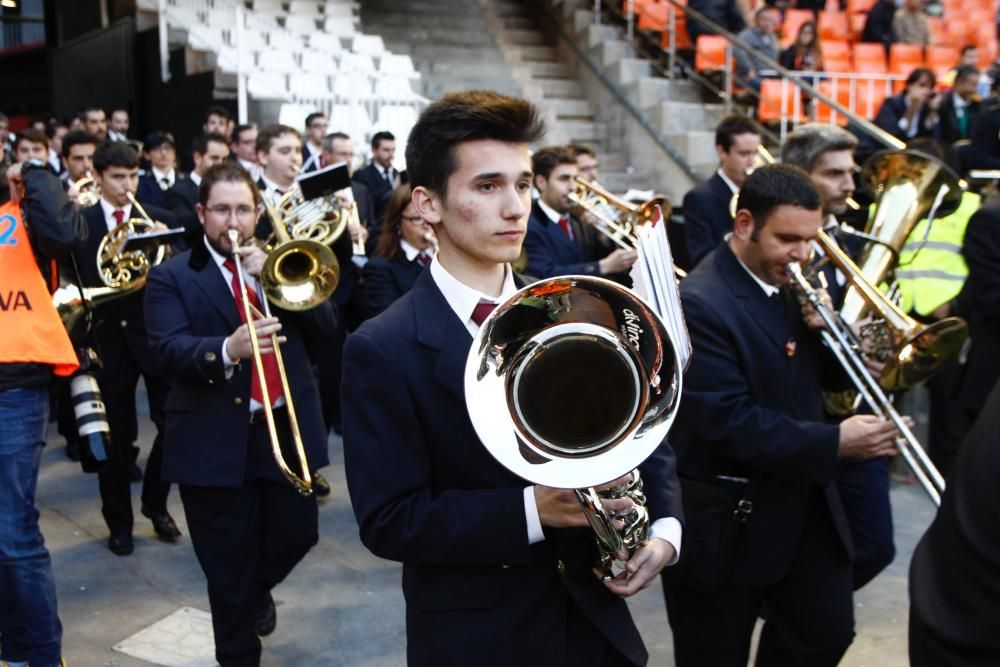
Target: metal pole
{"x":241,"y":77}
{"x":161,"y":9}
{"x":597,"y":12}
{"x":629,"y":28}
{"x":727,"y":76}
{"x":671,"y":43}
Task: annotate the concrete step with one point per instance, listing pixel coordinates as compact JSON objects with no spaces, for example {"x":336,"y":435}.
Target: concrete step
{"x":536,"y":53}
{"x":562,"y":88}
{"x":430,"y":35}
{"x":550,"y":70}
{"x":526,"y":36}
{"x":569,"y":108}
{"x":582,"y":131}
{"x":608,"y":52}
{"x":594,"y":34}
{"x":628,"y":70}
{"x":683,"y":117}
{"x":698,"y":146}
{"x":648,"y":91}
{"x":518,"y":22}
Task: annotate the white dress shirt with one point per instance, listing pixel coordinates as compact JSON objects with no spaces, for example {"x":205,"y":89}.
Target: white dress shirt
{"x":463,"y":300}
{"x":411,"y":251}
{"x":553,"y":215}
{"x":385,"y":172}
{"x":725,"y":179}
{"x":109,"y":213}
{"x":253,"y":168}
{"x":272,"y":191}
{"x":165,"y":179}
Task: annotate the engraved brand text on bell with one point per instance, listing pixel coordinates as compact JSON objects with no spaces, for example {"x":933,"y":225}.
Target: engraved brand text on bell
{"x":631,"y":327}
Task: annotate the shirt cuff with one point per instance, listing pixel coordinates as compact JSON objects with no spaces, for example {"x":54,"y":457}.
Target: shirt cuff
{"x":535,"y":533}
{"x":227,"y":364}
{"x":669,"y":530}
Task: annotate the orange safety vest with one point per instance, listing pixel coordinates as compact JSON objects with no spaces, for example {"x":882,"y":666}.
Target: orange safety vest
{"x":32,"y":329}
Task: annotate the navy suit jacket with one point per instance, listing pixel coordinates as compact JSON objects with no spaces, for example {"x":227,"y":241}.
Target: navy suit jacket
{"x":118,"y":328}
{"x":752,"y":408}
{"x":550,"y":252}
{"x":181,"y":199}
{"x":385,"y":280}
{"x":149,"y":190}
{"x":426,"y":492}
{"x":706,"y":217}
{"x":190,"y":310}
{"x":379,"y":189}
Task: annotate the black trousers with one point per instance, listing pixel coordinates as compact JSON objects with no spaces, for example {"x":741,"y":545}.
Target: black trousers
{"x":863,"y":486}
{"x":114,"y":482}
{"x":247,"y":540}
{"x":810,"y":613}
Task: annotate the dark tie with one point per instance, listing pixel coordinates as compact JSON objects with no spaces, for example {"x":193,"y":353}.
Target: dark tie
{"x":963,"y":122}
{"x":482,"y":311}
{"x":388,"y":175}
{"x":564,"y":225}
{"x":119,"y":216}
{"x":164,"y":183}
{"x":271,"y":373}
{"x":423,"y":258}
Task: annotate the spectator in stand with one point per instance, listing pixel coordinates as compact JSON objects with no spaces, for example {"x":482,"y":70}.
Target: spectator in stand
{"x":983,"y":151}
{"x":914,"y":112}
{"x":733,"y":15}
{"x":763,"y":39}
{"x":969,"y":57}
{"x":805,"y":53}
{"x":910,"y":24}
{"x":878,"y":25}
{"x":959,"y":106}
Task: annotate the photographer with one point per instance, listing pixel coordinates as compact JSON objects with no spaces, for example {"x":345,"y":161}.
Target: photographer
{"x":38,"y":227}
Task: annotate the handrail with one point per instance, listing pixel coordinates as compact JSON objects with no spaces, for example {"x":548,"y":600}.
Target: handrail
{"x":865,"y":124}
{"x":619,"y":95}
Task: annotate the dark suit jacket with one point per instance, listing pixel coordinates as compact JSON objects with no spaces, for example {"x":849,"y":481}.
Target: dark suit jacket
{"x":949,"y":130}
{"x":427,"y":493}
{"x":149,"y":190}
{"x":189,"y":312}
{"x":181,"y":200}
{"x":752,"y":408}
{"x":955,"y":571}
{"x":118,"y":330}
{"x":379,"y":189}
{"x":706,"y":217}
{"x":893,"y":109}
{"x":981,"y":304}
{"x":984,"y":149}
{"x":550,"y":252}
{"x":385,"y":280}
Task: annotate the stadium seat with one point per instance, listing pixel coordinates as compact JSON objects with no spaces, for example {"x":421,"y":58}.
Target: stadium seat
{"x":275,"y":60}
{"x":305,"y":7}
{"x":770,"y":107}
{"x":301,"y":24}
{"x":339,"y":10}
{"x":352,"y":86}
{"x":868,"y":98}
{"x":857,"y":25}
{"x":371,"y":45}
{"x":710,"y":53}
{"x":394,"y":89}
{"x":904,"y":58}
{"x":869,"y":58}
{"x":834,"y":26}
{"x":319,"y":62}
{"x":284,"y":40}
{"x":939,"y":33}
{"x":940,"y":59}
{"x":273,"y":6}
{"x":958,"y":30}
{"x":357,"y":62}
{"x":834,"y":49}
{"x":397,"y":64}
{"x":268,"y":85}
{"x":794,"y":18}
{"x":860,"y":6}
{"x":339,"y":26}
{"x":824,"y":112}
{"x":310,"y":84}
{"x":654,"y":16}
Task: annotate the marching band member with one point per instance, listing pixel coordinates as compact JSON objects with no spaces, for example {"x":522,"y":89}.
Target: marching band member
{"x":119,"y":336}
{"x":182,"y":198}
{"x":279,"y":152}
{"x":42,"y":227}
{"x":249,"y":527}
{"x":495,"y":571}
{"x":757,"y":460}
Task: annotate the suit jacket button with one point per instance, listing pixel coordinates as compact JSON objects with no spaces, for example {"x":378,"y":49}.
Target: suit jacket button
{"x":210,"y":356}
{"x":124,"y":323}
{"x":505,"y":567}
{"x":238,"y":401}
{"x":561,"y":566}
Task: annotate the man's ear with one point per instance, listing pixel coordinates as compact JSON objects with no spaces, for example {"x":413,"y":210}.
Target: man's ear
{"x":199,"y":208}
{"x":535,"y":182}
{"x":743,"y":225}
{"x":427,"y":204}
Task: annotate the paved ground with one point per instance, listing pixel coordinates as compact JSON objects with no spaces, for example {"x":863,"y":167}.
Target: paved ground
{"x":341,"y":606}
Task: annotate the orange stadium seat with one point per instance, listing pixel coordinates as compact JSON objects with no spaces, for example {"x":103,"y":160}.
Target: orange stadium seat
{"x":868,"y":98}
{"x":683,"y":39}
{"x":869,"y":58}
{"x":939,"y":33}
{"x":958,"y":31}
{"x":794,"y":18}
{"x":834,"y":26}
{"x":654,"y":16}
{"x":860,"y":6}
{"x":770,"y":108}
{"x":824,"y":112}
{"x":940,"y":59}
{"x":837,"y":66}
{"x":904,"y":58}
{"x":710,"y":53}
{"x":835,"y":49}
{"x":857,"y":25}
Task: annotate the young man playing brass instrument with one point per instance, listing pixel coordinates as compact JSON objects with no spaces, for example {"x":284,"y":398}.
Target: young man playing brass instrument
{"x":496,"y":571}
{"x":249,"y":526}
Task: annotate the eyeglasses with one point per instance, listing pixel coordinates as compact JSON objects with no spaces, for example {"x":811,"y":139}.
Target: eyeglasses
{"x":412,"y":219}
{"x":242,"y":212}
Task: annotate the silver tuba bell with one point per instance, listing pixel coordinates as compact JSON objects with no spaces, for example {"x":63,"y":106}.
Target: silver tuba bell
{"x":572,"y":383}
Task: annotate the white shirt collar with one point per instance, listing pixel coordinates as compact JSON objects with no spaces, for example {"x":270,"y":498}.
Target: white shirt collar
{"x":109,"y":213}
{"x":769,"y":289}
{"x":195,"y":178}
{"x":382,"y":170}
{"x":409,"y":249}
{"x":160,"y":175}
{"x":959,"y":102}
{"x":271,"y":189}
{"x":552,"y":214}
{"x":725,"y":179}
{"x":220,"y":260}
{"x":463,"y":299}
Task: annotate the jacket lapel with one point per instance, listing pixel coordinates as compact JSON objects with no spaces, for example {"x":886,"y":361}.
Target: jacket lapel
{"x":768,"y":314}
{"x":438,"y":328}
{"x":209,"y":280}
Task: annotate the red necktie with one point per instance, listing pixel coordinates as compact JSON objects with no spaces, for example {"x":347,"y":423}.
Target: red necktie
{"x":482,"y":311}
{"x":564,"y":224}
{"x":423,"y":258}
{"x":119,"y":216}
{"x":271,"y":373}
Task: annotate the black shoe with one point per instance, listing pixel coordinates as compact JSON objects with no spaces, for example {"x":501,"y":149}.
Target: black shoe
{"x":267,"y":618}
{"x":120,"y":544}
{"x":135,"y":473}
{"x":321,"y":487}
{"x":73,"y":450}
{"x":163,"y":524}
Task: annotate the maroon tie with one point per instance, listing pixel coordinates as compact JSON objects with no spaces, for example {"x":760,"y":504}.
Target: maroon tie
{"x":271,"y":373}
{"x":482,"y":311}
{"x":564,"y":225}
{"x":423,"y":258}
{"x":119,"y":216}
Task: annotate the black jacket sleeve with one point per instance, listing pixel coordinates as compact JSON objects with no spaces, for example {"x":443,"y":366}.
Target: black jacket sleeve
{"x":56,"y":226}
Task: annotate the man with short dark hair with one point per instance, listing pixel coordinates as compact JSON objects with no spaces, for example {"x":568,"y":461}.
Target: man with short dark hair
{"x":31,"y":144}
{"x":557,"y":244}
{"x":243,"y":149}
{"x":316,"y":125}
{"x":182,"y":198}
{"x":756,"y":457}
{"x":119,"y":337}
{"x":55,"y":132}
{"x":959,"y":106}
{"x":95,"y":122}
{"x":160,"y":151}
{"x":762,"y":37}
{"x":217,"y":120}
{"x":279,"y":152}
{"x":495,"y":569}
{"x":586,"y":162}
{"x":78,"y":149}
{"x":379,"y":176}
{"x":706,"y":206}
{"x":118,"y":126}
{"x":249,"y":526}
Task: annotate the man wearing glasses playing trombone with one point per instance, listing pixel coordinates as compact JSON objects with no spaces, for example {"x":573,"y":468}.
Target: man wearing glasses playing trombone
{"x":248,"y":524}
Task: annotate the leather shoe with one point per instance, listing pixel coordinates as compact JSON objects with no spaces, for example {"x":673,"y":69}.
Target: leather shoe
{"x":321,"y":487}
{"x":135,"y":473}
{"x":163,"y":524}
{"x":120,"y":544}
{"x":266,"y":619}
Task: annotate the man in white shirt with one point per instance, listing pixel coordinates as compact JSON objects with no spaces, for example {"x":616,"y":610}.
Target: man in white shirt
{"x":118,"y":126}
{"x":316,"y":125}
{"x":243,"y":149}
{"x":279,"y":152}
{"x":379,"y":176}
{"x":160,"y":151}
{"x":483,"y":551}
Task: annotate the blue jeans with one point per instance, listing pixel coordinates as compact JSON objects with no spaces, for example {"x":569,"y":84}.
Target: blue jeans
{"x":29,"y":622}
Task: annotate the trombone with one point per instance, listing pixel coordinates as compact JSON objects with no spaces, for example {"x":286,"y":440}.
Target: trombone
{"x":303,"y":483}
